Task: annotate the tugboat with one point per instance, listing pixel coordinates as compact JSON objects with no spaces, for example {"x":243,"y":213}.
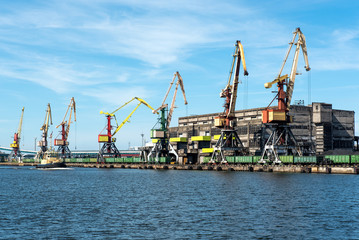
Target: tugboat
{"x":51,"y":160}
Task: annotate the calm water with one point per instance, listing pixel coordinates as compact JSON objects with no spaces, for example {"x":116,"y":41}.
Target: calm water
{"x":153,"y":204}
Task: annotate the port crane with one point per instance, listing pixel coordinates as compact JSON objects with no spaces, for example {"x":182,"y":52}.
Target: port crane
{"x":163,"y":147}
{"x":62,"y":143}
{"x":44,"y":128}
{"x":15,"y":152}
{"x":229,"y":140}
{"x":277,"y":119}
{"x":109,"y":148}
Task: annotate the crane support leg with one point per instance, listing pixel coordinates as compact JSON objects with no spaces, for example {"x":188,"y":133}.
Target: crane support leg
{"x":229,"y":141}
{"x":64,"y":151}
{"x":108,"y":150}
{"x":280,"y":142}
{"x":162,"y":149}
{"x":17,"y":156}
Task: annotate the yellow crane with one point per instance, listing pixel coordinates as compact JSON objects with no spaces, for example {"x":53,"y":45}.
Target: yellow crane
{"x":163,"y":147}
{"x":44,"y":128}
{"x":62,"y":143}
{"x":109,"y":148}
{"x":16,"y":153}
{"x":229,"y":139}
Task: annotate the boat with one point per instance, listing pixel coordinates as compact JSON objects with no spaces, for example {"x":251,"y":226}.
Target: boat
{"x":51,"y":160}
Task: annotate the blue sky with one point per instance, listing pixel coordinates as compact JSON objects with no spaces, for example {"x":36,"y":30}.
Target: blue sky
{"x":105,"y":52}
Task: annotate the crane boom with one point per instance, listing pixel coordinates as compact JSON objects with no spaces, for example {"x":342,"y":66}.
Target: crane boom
{"x":239,"y":55}
{"x":44,"y":128}
{"x":20,"y":123}
{"x":141,"y":101}
{"x":48,"y":118}
{"x":179,"y":82}
{"x":300,"y":43}
{"x":113,"y":113}
{"x":16,"y":143}
{"x":230,"y":91}
{"x":72,"y":108}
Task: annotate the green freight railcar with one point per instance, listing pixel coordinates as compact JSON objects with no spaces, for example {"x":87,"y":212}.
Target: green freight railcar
{"x":164,"y":159}
{"x":79,"y":160}
{"x":244,"y":159}
{"x":286,"y":159}
{"x":256,"y":159}
{"x":28,"y":160}
{"x":128,"y":160}
{"x":85,"y":160}
{"x":305,"y":159}
{"x":338,"y":159}
{"x":230,"y":159}
{"x":109,"y":160}
{"x":206,"y":160}
{"x":93,"y":160}
{"x":354,"y":159}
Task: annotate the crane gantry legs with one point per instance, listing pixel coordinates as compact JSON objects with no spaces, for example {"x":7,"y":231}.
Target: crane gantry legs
{"x":280,"y":142}
{"x":228,"y":142}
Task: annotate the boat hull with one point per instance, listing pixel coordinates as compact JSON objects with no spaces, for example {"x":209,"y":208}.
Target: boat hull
{"x":52,"y":165}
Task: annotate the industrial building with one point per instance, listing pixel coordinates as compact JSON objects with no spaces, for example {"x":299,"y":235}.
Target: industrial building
{"x":317,"y":125}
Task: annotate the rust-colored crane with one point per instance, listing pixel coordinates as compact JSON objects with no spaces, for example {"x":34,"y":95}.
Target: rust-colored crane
{"x":229,"y":139}
{"x":44,"y":128}
{"x":277,"y":119}
{"x":62,"y":143}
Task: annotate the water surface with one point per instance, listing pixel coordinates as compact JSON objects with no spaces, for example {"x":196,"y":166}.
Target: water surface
{"x":85,"y":203}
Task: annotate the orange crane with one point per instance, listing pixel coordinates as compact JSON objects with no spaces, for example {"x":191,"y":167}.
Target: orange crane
{"x":229,"y":139}
{"x":16,"y":153}
{"x":44,"y":128}
{"x":109,"y":148}
{"x":62,"y":143}
{"x":163,"y":147}
{"x":277,"y":119}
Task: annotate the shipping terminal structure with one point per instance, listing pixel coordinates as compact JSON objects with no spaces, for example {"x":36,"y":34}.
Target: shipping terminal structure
{"x":281,"y":132}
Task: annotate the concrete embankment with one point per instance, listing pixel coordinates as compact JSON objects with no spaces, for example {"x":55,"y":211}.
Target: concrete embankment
{"x":328,"y":169}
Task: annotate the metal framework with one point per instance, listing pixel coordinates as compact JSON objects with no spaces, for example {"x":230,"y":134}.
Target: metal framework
{"x":44,"y":128}
{"x":163,"y":147}
{"x":15,"y":152}
{"x":63,"y":145}
{"x":109,"y":148}
{"x":281,"y":140}
{"x":229,"y":140}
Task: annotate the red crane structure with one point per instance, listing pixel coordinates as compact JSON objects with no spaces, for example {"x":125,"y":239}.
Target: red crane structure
{"x":276,"y":119}
{"x":62,"y":143}
{"x":229,"y":140}
{"x":109,"y":148}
